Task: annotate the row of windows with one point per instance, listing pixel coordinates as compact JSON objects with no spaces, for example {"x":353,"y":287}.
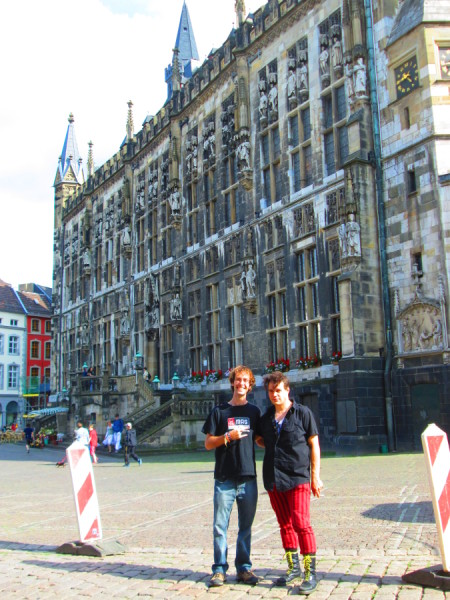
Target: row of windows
{"x":35,"y":347}
{"x":37,"y":325}
{"x":12,"y":377}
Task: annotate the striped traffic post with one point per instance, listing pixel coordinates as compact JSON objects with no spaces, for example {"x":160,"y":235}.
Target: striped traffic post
{"x":437,"y":458}
{"x":86,"y":504}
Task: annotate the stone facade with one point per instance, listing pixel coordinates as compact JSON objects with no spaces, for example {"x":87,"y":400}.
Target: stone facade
{"x":262,"y":214}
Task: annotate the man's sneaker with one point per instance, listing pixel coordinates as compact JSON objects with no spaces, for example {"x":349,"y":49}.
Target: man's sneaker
{"x":247,"y":577}
{"x":217,"y":579}
{"x":140,"y":461}
{"x":126,"y":465}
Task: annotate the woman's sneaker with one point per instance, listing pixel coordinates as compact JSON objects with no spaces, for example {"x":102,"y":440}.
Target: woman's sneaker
{"x":217,"y":579}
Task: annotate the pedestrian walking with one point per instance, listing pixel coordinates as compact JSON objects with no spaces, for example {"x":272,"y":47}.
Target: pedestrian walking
{"x":130,"y":443}
{"x":109,"y":436}
{"x":93,"y":443}
{"x":82,"y":434}
{"x":291,"y":470}
{"x":29,"y":437}
{"x":117,"y":433}
{"x":229,"y":431}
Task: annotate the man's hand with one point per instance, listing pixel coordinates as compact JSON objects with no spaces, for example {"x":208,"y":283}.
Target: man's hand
{"x":316,"y":485}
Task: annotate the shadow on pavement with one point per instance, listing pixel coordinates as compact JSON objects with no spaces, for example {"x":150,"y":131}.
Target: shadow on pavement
{"x":409,"y":512}
{"x":22,"y":547}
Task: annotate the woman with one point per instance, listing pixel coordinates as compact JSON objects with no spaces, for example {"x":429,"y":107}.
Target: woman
{"x":108,"y":436}
{"x":93,"y":442}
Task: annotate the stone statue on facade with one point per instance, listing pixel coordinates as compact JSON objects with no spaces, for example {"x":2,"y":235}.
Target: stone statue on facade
{"x":360,"y":78}
{"x":243,"y":156}
{"x":175,"y":308}
{"x":126,"y":238}
{"x":175,"y":202}
{"x":263,"y":101}
{"x":336,"y":51}
{"x":273,"y":96}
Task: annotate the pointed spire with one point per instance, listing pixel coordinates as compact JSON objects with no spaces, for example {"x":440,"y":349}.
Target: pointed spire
{"x":90,"y":160}
{"x":130,"y":124}
{"x":239,"y":7}
{"x":69,"y":163}
{"x":185,"y":41}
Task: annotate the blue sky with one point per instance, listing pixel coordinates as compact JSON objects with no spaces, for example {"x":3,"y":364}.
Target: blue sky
{"x":87,"y":58}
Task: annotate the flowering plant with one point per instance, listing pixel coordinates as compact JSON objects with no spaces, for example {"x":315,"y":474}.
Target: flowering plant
{"x":336,"y":356}
{"x":213,"y":375}
{"x":281,"y":364}
{"x":307,"y":362}
{"x":196,"y":377}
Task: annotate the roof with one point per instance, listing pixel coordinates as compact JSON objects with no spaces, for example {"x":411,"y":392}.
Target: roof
{"x":36,"y":304}
{"x":69,"y":164}
{"x":185,"y":41}
{"x":414,"y":12}
{"x":9,"y":302}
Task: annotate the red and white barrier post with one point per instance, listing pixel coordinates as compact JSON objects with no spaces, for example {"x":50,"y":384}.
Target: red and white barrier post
{"x":86,"y":504}
{"x":437,"y":458}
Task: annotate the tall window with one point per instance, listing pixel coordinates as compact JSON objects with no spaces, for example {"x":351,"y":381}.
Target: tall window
{"x":2,"y":376}
{"x":48,"y":326}
{"x":235,"y":336}
{"x":334,"y":116}
{"x":300,"y":144}
{"x":35,"y":325}
{"x":270,"y":163}
{"x":13,"y":345}
{"x":13,"y":377}
{"x":35,"y":349}
{"x":213,"y":326}
{"x":48,"y":350}
{"x":230,"y":189}
{"x":308,"y":308}
{"x":2,"y":344}
{"x":278,"y":321}
{"x":195,"y":331}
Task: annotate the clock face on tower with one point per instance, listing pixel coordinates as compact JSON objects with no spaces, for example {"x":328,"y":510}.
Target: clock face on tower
{"x":444,"y":61}
{"x":406,"y":77}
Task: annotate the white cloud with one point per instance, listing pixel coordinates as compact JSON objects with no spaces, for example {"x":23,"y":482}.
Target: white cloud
{"x":88,"y":58}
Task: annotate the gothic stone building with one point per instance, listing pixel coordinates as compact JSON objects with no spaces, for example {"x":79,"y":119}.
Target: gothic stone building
{"x":289,"y":201}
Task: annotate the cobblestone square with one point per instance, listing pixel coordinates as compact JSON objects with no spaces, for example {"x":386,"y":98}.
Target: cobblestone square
{"x":374,"y":523}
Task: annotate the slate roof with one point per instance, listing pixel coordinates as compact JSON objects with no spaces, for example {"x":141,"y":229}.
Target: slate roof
{"x":36,"y":304}
{"x":70,"y":159}
{"x":9,"y":302}
{"x":414,"y":12}
{"x":185,"y":41}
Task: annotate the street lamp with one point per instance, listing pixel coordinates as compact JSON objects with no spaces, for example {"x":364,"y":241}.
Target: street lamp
{"x":175,"y":380}
{"x":155,"y":383}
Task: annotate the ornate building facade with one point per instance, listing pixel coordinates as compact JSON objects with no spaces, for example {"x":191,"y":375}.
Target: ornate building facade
{"x":290,"y":201}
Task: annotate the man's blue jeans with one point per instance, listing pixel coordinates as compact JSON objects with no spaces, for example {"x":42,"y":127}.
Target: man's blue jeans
{"x":246,"y":496}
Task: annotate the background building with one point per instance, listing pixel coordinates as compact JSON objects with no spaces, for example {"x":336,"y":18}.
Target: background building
{"x":288,"y":204}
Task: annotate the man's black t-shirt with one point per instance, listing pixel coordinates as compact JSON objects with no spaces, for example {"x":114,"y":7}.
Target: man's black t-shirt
{"x":237,"y":460}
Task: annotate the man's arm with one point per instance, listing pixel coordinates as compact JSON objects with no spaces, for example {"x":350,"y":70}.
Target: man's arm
{"x":316,"y":482}
{"x":214,"y":441}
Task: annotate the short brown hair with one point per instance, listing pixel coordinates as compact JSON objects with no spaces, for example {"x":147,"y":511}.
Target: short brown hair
{"x":276,"y":377}
{"x":241,"y":369}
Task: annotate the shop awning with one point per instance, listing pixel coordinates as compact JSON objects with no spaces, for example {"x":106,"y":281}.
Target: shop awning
{"x":44,"y":412}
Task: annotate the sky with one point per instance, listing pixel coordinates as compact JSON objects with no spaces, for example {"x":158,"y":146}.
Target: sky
{"x":89,"y":58}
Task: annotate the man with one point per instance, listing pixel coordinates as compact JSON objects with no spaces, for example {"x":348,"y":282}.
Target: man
{"x":230,"y":431}
{"x":130,"y":444}
{"x":82,"y":434}
{"x":117,"y":433}
{"x":29,"y":437}
{"x":291,"y":470}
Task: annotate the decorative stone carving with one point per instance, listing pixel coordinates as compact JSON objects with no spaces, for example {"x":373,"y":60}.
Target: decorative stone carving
{"x":360,"y":78}
{"x":85,"y":338}
{"x":350,"y":239}
{"x":152,"y":184}
{"x":176,"y":307}
{"x":87,"y":262}
{"x":263,"y":103}
{"x":126,"y":240}
{"x":140,"y":196}
{"x":273,"y":97}
{"x":324,"y":61}
{"x":336,"y":50}
{"x":292,"y":83}
{"x":421,"y":327}
{"x":349,"y":82}
{"x":303,"y":82}
{"x":209,"y":144}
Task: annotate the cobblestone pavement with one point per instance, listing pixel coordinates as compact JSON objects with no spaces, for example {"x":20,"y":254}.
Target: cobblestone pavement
{"x":374,"y":523}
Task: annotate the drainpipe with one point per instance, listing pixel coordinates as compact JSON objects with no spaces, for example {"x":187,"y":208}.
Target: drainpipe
{"x":381,"y":224}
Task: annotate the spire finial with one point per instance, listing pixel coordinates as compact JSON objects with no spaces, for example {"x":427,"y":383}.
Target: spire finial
{"x":130,"y":124}
{"x":239,"y":7}
{"x":71,"y":119}
{"x":90,"y":160}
